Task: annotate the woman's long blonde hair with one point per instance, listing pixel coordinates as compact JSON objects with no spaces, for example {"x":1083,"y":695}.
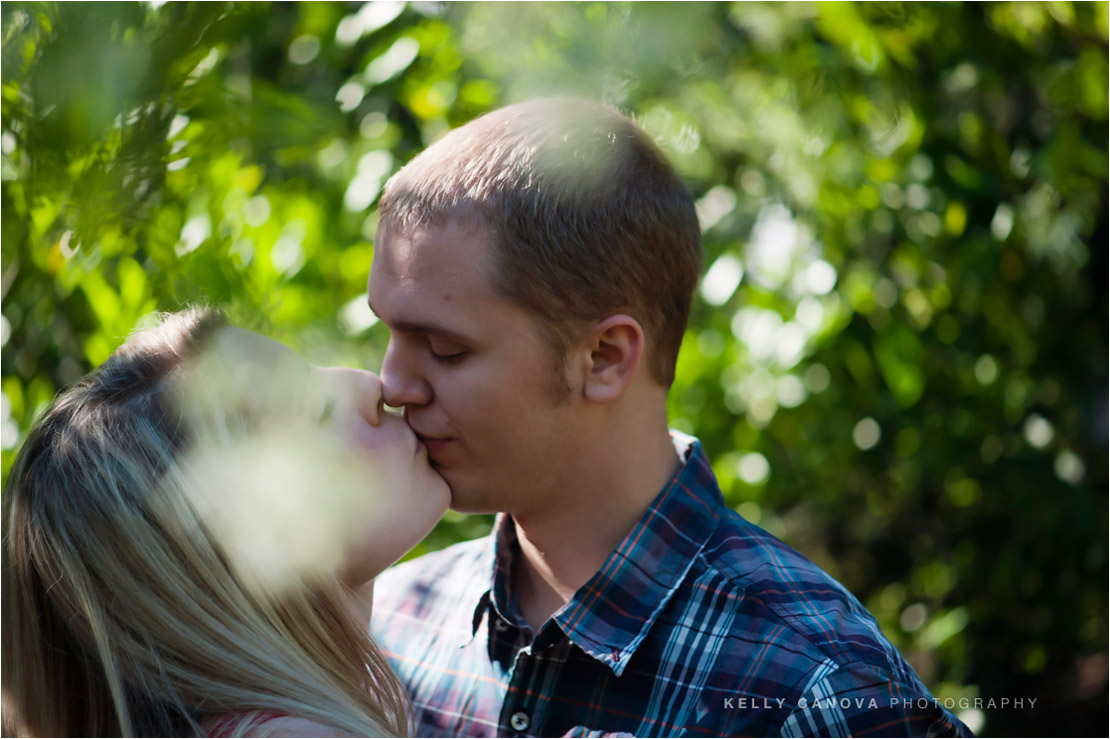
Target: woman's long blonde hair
{"x":122,"y":614}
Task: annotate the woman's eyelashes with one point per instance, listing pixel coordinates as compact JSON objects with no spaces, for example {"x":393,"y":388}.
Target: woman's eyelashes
{"x":327,"y":412}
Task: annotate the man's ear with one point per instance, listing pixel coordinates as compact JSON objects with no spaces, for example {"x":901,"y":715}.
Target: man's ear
{"x":616,"y":349}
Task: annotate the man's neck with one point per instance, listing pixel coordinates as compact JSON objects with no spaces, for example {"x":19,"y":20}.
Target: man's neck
{"x":563,"y":547}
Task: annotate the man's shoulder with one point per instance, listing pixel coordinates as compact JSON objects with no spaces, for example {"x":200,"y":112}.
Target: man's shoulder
{"x":787,"y":593}
{"x":818,"y":642}
{"x":757,"y":560}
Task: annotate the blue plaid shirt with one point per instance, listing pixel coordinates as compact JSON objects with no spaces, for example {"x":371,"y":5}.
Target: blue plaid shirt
{"x":698,"y":624}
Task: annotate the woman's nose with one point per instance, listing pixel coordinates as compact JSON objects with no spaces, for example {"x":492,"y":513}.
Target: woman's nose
{"x":358,"y":390}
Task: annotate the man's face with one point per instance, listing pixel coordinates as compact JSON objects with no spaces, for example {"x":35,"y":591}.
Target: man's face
{"x":472,"y":371}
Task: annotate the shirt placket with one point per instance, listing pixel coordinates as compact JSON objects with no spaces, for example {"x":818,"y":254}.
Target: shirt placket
{"x":524,"y":710}
{"x":520,"y":714}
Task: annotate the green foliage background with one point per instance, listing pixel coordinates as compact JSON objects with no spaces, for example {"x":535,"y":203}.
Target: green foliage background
{"x":898,"y":361}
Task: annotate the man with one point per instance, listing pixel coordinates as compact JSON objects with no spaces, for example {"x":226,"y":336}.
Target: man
{"x":535,"y":268}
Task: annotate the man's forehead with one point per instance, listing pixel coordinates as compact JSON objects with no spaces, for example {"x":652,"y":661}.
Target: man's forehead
{"x":452,"y":250}
{"x":430,"y":268}
{"x":438,"y":280}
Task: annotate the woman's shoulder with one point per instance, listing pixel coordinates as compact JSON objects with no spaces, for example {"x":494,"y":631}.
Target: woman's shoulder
{"x":272,"y":724}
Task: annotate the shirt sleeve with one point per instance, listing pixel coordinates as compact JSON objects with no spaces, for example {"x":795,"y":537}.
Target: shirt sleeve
{"x":863,"y":700}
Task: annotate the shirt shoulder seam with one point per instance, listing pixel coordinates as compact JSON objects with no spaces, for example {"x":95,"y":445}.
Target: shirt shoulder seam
{"x":747,"y":588}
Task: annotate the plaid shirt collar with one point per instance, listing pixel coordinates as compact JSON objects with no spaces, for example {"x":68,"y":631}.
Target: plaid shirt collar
{"x":609,"y":616}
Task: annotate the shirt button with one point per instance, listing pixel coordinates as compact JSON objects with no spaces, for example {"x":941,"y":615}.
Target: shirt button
{"x":519,"y":721}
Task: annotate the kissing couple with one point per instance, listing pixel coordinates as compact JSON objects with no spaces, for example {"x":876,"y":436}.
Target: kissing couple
{"x":197,"y":536}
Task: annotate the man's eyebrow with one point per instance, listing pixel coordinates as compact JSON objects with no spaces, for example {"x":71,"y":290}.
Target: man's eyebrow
{"x":421,"y":327}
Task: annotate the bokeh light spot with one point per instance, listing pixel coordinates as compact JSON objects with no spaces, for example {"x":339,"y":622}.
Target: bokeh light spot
{"x":754,"y":468}
{"x":1038,"y":431}
{"x":866,"y":433}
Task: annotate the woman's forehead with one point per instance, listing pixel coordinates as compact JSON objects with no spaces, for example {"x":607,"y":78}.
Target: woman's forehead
{"x":237,"y":345}
{"x":240,"y":366}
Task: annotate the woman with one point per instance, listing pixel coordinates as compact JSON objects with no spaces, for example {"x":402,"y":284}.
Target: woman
{"x":188,"y":538}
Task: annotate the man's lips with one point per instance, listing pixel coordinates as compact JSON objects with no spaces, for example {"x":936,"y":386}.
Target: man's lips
{"x":432,"y":443}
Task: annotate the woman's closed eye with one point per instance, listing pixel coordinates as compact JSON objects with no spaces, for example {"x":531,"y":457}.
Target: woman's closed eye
{"x":327,"y":412}
{"x":336,"y":392}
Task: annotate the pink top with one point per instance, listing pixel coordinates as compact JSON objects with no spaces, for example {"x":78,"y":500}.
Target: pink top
{"x":222,"y":726}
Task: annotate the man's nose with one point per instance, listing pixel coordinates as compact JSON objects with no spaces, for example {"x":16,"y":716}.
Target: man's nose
{"x":402,"y":382}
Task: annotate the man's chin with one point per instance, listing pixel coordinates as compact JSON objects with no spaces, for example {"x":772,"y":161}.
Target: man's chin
{"x":467,"y":495}
{"x":472,"y":509}
{"x":471,"y":502}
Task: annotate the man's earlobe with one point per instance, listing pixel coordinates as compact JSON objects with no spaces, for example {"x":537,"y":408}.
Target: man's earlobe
{"x":616,"y":349}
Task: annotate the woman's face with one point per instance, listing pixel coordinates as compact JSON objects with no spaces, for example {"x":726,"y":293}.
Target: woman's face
{"x":323,"y":478}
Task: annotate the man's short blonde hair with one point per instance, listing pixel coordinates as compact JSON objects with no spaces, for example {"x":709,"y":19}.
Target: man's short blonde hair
{"x":588,"y":216}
